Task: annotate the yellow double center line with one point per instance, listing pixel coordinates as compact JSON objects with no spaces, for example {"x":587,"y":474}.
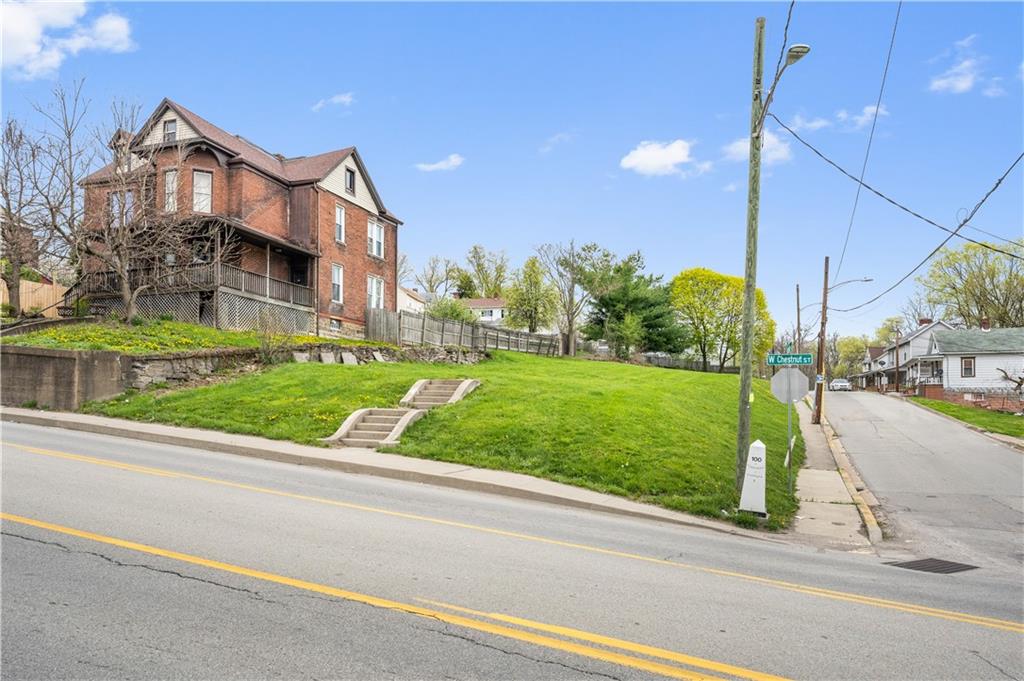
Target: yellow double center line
{"x":979,"y":620}
{"x":446,"y":617}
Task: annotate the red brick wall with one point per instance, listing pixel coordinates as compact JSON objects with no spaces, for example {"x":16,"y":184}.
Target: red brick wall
{"x":358,"y":263}
{"x":257,"y":201}
{"x":996,"y":401}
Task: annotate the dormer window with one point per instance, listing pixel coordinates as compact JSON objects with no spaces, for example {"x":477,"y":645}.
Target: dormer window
{"x":170,"y":130}
{"x":350,"y":180}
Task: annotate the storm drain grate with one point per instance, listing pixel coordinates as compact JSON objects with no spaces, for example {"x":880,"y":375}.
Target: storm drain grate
{"x":945,"y":567}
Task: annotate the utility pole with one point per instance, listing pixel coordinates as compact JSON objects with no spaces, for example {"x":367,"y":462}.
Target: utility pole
{"x":799,"y":331}
{"x":819,"y":388}
{"x":750,"y":268}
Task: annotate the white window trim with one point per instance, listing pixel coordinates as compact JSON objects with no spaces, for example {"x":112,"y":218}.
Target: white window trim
{"x":175,"y":133}
{"x":371,"y":238}
{"x":335,"y":267}
{"x":349,"y":172}
{"x":195,"y":195}
{"x":340,"y":206}
{"x":370,"y":279}
{"x":171,"y":197}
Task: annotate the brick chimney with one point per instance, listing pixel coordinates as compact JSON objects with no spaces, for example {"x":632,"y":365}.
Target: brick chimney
{"x":985,"y":326}
{"x":922,"y":321}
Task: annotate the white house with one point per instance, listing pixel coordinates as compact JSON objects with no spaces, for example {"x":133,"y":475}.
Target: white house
{"x":487,"y":310}
{"x":411,"y":300}
{"x":971,"y":362}
{"x":907,"y":353}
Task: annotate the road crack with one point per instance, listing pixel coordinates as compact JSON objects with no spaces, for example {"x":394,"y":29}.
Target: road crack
{"x":992,"y":664}
{"x":469,"y":639}
{"x":256,"y":595}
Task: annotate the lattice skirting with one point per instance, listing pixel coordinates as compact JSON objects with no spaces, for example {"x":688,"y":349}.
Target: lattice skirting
{"x":183,"y":307}
{"x":240,"y":312}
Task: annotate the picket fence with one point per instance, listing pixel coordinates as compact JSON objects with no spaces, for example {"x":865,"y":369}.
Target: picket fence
{"x":411,"y":328}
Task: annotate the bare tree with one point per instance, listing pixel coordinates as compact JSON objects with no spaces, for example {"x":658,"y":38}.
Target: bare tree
{"x":437,"y":276}
{"x":405,"y":271}
{"x":919,"y":307}
{"x":141,"y":240}
{"x":572,"y":270}
{"x":20,"y":231}
{"x":489,"y":270}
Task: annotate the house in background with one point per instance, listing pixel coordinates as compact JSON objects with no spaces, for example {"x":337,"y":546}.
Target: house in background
{"x":906,"y":353}
{"x":411,"y":300}
{"x":488,"y":310}
{"x":313,"y":240}
{"x":970,"y":365}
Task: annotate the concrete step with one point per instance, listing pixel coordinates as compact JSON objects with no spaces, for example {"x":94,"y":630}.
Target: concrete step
{"x":436,"y":394}
{"x":360,"y":434}
{"x":357,"y":442}
{"x":375,"y":427}
{"x":384,"y":420}
{"x":387,"y":412}
{"x":445,"y":381}
{"x":420,"y":403}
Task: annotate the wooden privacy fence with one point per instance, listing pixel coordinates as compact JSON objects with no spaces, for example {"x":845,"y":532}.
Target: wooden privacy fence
{"x":411,"y":328}
{"x":33,"y":294}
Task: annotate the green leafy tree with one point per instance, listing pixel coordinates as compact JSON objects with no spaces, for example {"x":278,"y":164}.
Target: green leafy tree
{"x":465,"y":286}
{"x":489,"y":271}
{"x":530,"y":300}
{"x":710,"y":306}
{"x":850,"y":350}
{"x":451,"y":308}
{"x":885,"y":334}
{"x":974,"y":283}
{"x":575,"y":272}
{"x":626,"y":335}
{"x":625,"y":289}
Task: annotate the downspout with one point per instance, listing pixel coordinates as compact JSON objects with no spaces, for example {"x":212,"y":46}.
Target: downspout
{"x":316,"y":263}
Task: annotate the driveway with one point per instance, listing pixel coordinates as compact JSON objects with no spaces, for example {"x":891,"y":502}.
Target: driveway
{"x":947,"y":491}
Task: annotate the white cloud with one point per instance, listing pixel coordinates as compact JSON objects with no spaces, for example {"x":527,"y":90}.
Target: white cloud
{"x":773,"y":149}
{"x":343,"y":99}
{"x":556,"y":139}
{"x":842,"y":115}
{"x":994,"y":88}
{"x":800,"y":123}
{"x":957,"y":79}
{"x":965,"y":43}
{"x":657,"y":158}
{"x":866,"y":115}
{"x":731,"y":187}
{"x":452,"y":162}
{"x":39,"y":36}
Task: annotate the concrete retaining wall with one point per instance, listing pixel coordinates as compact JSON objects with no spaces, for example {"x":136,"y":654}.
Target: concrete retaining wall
{"x":58,"y":379}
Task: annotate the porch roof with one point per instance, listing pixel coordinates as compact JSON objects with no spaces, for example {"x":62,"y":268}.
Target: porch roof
{"x":263,"y":237}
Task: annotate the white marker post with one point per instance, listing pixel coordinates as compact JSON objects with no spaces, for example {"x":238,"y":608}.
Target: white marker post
{"x":752,"y":496}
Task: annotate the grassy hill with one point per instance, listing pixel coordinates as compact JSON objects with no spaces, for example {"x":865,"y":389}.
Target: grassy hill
{"x":656,"y":435}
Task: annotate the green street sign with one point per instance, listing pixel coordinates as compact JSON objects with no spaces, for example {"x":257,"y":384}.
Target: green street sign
{"x":788,"y":360}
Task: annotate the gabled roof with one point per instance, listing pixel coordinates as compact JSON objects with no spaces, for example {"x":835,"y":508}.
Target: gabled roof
{"x":414,"y":294}
{"x":903,"y":340}
{"x":483,"y":303}
{"x":874,"y":351}
{"x":978,"y":341}
{"x":291,"y":171}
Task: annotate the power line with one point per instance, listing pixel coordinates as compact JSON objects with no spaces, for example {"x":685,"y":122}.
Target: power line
{"x":785,"y":38}
{"x":871,"y":137}
{"x":935,"y":250}
{"x":879,"y":194}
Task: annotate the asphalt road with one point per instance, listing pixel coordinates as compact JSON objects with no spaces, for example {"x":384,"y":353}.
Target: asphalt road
{"x":123,"y":559}
{"x":947,"y":491}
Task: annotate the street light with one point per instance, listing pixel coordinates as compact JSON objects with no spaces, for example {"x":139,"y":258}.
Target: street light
{"x":758,"y":110}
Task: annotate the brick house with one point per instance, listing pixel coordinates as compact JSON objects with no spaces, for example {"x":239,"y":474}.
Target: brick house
{"x":312,"y":239}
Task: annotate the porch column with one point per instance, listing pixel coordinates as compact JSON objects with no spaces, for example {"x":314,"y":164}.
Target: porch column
{"x":267,"y":287}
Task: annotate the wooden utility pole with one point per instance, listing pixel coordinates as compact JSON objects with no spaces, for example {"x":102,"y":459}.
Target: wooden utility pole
{"x":750,"y":268}
{"x":819,"y":388}
{"x":897,"y":359}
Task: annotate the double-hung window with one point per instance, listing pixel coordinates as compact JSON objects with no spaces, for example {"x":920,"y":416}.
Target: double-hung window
{"x":350,"y":181}
{"x":170,"y":191}
{"x":337,"y":283}
{"x":339,"y":223}
{"x":121,"y":206}
{"x":170,"y":130}
{"x":374,"y":292}
{"x":967,"y":367}
{"x":375,"y":238}
{"x":202,"y":191}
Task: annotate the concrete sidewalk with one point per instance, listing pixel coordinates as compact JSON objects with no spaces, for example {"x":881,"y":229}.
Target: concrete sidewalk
{"x":828,"y":514}
{"x":370,"y":462}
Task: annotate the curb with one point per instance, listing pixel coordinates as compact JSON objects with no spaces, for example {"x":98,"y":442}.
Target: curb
{"x":278,"y":450}
{"x":843,"y":464}
{"x":995,"y":437}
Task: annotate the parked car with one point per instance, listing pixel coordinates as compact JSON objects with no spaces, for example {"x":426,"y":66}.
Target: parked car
{"x":840,"y":384}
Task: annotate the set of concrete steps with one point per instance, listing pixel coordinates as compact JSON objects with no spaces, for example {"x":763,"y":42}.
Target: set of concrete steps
{"x":432,"y":393}
{"x":373,"y":428}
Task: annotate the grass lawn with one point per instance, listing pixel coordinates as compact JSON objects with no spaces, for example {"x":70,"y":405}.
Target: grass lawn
{"x":151,"y":337}
{"x":994,"y":421}
{"x":656,"y":435}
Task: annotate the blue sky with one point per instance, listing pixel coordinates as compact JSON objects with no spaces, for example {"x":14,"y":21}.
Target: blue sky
{"x":513,"y":125}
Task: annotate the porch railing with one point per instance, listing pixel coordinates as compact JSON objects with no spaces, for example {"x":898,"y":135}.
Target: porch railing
{"x":196,"y":277}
